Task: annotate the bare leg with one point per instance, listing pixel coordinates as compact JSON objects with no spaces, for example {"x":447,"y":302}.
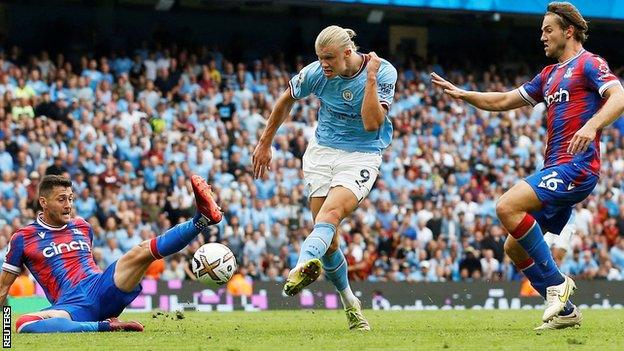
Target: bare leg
{"x":132,"y":266}
{"x":339,"y":204}
{"x":515,"y":203}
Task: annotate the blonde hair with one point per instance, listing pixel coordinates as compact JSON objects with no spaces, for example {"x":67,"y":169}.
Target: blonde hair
{"x":337,"y":36}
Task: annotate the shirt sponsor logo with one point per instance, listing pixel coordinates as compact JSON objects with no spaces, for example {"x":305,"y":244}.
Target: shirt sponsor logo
{"x":53,"y":249}
{"x":348,"y":117}
{"x":561,"y":95}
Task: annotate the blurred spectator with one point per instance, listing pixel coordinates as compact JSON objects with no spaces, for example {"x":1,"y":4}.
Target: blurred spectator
{"x":489,"y":265}
{"x":111,"y":252}
{"x":470,"y":266}
{"x":617,"y":254}
{"x":587,"y":266}
{"x":255,"y":247}
{"x":175,"y":268}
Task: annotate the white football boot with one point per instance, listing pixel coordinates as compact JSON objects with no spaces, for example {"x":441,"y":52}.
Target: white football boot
{"x":556,"y":298}
{"x":561,"y":322}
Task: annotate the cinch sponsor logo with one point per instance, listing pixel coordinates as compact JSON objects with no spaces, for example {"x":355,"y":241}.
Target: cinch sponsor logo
{"x":73,"y":245}
{"x":559,"y":96}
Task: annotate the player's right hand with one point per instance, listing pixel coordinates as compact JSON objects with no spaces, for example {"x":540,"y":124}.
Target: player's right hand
{"x":374,"y":62}
{"x":261,"y":159}
{"x":447,"y":86}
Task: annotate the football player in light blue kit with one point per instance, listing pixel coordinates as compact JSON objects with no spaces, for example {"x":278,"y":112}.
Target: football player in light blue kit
{"x":342,"y":160}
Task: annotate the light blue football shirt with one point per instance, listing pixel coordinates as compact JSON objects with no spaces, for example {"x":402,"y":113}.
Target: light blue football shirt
{"x":340,"y":124}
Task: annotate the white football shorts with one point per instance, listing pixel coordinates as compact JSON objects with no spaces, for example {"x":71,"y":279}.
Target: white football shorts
{"x":563,"y":240}
{"x":325,"y":167}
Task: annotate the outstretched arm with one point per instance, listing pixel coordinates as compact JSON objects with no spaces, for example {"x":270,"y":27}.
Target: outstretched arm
{"x":262,"y":153}
{"x":610,"y":111}
{"x":492,"y":101}
{"x":6,"y":280}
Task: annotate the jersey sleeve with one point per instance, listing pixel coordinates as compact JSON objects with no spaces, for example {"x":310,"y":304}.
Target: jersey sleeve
{"x":598,"y":74}
{"x":15,"y":253}
{"x":531,"y":91}
{"x":304,"y":83}
{"x":386,"y":80}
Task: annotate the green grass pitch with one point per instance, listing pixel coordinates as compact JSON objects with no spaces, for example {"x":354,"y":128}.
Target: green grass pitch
{"x":326,"y":330}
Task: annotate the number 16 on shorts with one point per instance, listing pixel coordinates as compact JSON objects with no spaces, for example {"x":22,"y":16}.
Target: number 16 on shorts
{"x":550,"y":181}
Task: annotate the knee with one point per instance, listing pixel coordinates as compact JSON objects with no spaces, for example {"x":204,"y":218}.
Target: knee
{"x":26,"y":320}
{"x":503,"y":209}
{"x":332,"y":215}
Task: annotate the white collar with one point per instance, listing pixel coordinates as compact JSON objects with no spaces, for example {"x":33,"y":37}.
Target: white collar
{"x":571,"y":58}
{"x":48,"y":226}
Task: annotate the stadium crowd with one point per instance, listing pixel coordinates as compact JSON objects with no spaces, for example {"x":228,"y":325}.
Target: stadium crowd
{"x":130,"y":130}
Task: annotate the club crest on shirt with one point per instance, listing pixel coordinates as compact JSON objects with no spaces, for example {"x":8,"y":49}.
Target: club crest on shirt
{"x":347,"y":95}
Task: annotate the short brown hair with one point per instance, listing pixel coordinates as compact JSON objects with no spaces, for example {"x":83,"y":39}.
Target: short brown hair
{"x":50,"y":181}
{"x":568,"y":15}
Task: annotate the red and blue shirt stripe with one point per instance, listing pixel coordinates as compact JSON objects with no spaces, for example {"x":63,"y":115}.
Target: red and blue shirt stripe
{"x":58,"y":257}
{"x":573,"y":92}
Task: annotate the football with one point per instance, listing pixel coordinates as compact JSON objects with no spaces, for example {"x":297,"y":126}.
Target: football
{"x":213,"y":264}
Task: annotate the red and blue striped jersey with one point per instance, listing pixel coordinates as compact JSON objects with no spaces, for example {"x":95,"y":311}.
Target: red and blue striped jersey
{"x":58,"y":257}
{"x":573,"y":92}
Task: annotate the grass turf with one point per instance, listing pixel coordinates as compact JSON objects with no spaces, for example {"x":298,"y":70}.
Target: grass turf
{"x":326,"y":330}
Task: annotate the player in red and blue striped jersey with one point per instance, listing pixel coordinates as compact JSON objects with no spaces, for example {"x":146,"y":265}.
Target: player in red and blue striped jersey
{"x":56,"y":249}
{"x":582,"y":96}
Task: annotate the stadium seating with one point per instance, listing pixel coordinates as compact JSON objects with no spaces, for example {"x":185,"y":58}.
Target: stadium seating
{"x":131,"y":130}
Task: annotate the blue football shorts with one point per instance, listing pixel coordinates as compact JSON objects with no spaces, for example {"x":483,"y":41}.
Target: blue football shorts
{"x":96,"y":298}
{"x":559,"y":188}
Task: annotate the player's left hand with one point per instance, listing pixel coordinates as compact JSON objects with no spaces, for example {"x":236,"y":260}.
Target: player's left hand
{"x":582,"y":139}
{"x":373,"y":63}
